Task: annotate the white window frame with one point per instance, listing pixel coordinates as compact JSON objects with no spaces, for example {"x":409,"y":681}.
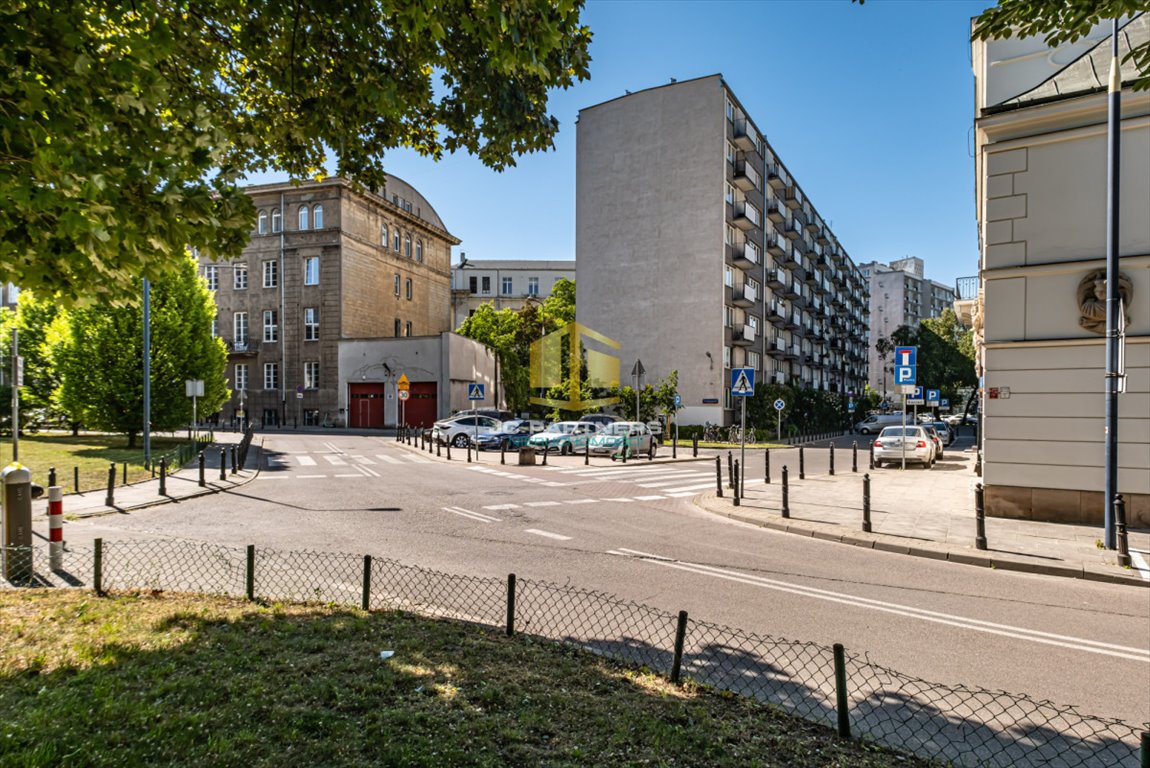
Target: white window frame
{"x":240,"y":277}
{"x":311,"y":270}
{"x":533,"y":286}
{"x":507,"y":284}
{"x":395,"y":240}
{"x":311,"y":323}
{"x":271,"y":274}
{"x":271,"y":326}
{"x":419,"y":251}
{"x":317,"y":217}
{"x":729,"y":193}
{"x":241,"y":377}
{"x":397,"y":284}
{"x":262,"y":225}
{"x":212,"y":275}
{"x":215,"y":326}
{"x":407,"y":288}
{"x":383,"y":235}
{"x":408,"y":329}
{"x":271,"y":376}
{"x":311,"y":375}
{"x":726,"y":357}
{"x":240,"y":328}
{"x":728,"y":276}
{"x":407,"y":246}
{"x":303,"y":218}
{"x":277,"y":220}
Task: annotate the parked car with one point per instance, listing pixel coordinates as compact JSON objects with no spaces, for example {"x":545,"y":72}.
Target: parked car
{"x":877,"y":421}
{"x":895,"y":442}
{"x":494,"y":413}
{"x":458,"y":430}
{"x":508,"y":435}
{"x":564,"y":437}
{"x":935,"y":438}
{"x":944,"y":431}
{"x":634,"y":436}
{"x":600,"y":420}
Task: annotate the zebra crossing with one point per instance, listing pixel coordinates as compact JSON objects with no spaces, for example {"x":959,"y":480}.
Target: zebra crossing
{"x":340,"y":464}
{"x":652,"y":483}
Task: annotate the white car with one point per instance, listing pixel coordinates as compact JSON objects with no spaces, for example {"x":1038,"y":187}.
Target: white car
{"x":459,"y":430}
{"x":634,"y":436}
{"x":915,"y":444}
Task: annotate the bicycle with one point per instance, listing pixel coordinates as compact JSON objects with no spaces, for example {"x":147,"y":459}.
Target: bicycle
{"x":712,"y":433}
{"x":734,"y":434}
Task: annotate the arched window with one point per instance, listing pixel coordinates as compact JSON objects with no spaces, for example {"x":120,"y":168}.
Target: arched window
{"x":383,"y":235}
{"x":277,"y":220}
{"x":303,"y":217}
{"x":407,"y":246}
{"x":419,"y":250}
{"x":317,"y":217}
{"x":263,"y":223}
{"x":395,"y":240}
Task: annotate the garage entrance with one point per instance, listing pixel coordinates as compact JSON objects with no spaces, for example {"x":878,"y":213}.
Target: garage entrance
{"x":422,"y":405}
{"x":366,"y":405}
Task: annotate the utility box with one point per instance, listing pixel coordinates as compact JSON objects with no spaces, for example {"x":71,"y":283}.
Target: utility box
{"x":17,"y":482}
{"x":526,"y":456}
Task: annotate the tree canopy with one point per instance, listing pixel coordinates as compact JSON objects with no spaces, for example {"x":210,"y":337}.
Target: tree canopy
{"x":945,"y":353}
{"x":125,"y":128}
{"x":1063,"y":21}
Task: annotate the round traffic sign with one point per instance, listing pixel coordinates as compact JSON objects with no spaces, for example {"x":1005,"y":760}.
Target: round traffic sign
{"x":678,"y":400}
{"x":780,"y":405}
{"x":404,"y":394}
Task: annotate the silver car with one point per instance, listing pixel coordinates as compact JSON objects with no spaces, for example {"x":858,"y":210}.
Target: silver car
{"x":459,"y":430}
{"x":913,"y":443}
{"x":633,"y":436}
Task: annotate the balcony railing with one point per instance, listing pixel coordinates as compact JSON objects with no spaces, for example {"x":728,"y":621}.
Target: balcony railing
{"x":744,"y":296}
{"x":243,"y":347}
{"x":776,"y":211}
{"x":966,"y":288}
{"x":793,"y":230}
{"x":777,"y":278}
{"x":744,"y":136}
{"x":777,"y":177}
{"x":793,"y":197}
{"x":746,"y":177}
{"x":746,"y":256}
{"x":747,"y":216}
{"x":743,"y":336}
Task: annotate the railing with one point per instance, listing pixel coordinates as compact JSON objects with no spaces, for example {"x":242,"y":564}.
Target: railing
{"x":966,"y":288}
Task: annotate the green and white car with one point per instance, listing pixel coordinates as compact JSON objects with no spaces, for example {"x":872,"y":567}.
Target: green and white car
{"x":563,"y":437}
{"x":634,"y":435}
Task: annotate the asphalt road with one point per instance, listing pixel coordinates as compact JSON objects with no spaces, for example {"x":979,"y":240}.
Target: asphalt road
{"x":633,"y":532}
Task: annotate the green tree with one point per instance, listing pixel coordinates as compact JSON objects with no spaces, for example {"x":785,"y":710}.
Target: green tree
{"x":98,"y":352}
{"x":33,"y":318}
{"x":945,"y":354}
{"x":127,"y":127}
{"x":1064,"y":21}
{"x":503,"y":332}
{"x":559,"y":307}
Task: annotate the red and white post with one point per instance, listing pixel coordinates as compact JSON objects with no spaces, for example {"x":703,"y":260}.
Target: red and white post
{"x":55,"y":527}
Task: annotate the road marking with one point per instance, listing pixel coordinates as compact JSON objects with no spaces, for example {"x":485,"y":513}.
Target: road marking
{"x":418,"y":459}
{"x":353,"y":474}
{"x":643,"y":554}
{"x":680,"y":494}
{"x":691,"y":488}
{"x":363,"y":459}
{"x":1140,"y":565}
{"x":541,"y":504}
{"x":502,"y":506}
{"x":331,"y":447}
{"x":976,"y":625}
{"x":649,"y":498}
{"x":554,"y":485}
{"x":389,"y":459}
{"x":274,"y":477}
{"x":547,"y":534}
{"x":582,"y":501}
{"x":477,"y":516}
{"x":619,"y":500}
{"x":305,"y":461}
{"x":309,"y":477}
{"x":336,"y":460}
{"x":366,"y":471}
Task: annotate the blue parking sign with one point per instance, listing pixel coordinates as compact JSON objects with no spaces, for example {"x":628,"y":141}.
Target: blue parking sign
{"x":932,"y":397}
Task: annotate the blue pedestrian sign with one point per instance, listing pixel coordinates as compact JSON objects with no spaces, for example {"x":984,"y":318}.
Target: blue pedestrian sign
{"x":742,"y":382}
{"x":905,"y":363}
{"x":475,"y":392}
{"x":780,"y":405}
{"x":932,"y":396}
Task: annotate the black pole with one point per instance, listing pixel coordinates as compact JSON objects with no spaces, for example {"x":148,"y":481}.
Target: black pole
{"x":832,"y":457}
{"x":250,"y":572}
{"x":223,"y":463}
{"x":844,"y":721}
{"x":871,"y":453}
{"x":786,"y":494}
{"x":98,"y":568}
{"x":680,"y":636}
{"x":124,"y":474}
{"x":736,"y":483}
{"x":979,"y":518}
{"x":76,"y":479}
{"x":201,"y":462}
{"x":866,"y":503}
{"x":438,"y":448}
{"x":365,"y":601}
{"x":51,"y":476}
{"x":1113,"y":157}
{"x":587,"y":453}
{"x":235,"y":465}
{"x":854,"y":455}
{"x":1120,"y":526}
{"x":163,"y":475}
{"x":675,"y":443}
{"x":503,"y":452}
{"x":802,"y":465}
{"x":1145,"y":746}
{"x":695,"y":447}
{"x":110,"y":500}
{"x":718,"y":477}
{"x":510,"y":604}
{"x":767,"y":466}
{"x":730,"y":471}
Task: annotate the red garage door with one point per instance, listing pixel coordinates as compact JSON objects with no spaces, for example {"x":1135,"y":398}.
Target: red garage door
{"x":421,"y":408}
{"x":366,"y":401}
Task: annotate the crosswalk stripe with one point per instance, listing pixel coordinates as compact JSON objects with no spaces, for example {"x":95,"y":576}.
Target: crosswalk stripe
{"x":541,"y":504}
{"x":547,"y":534}
{"x":389,"y":459}
{"x":494,"y":507}
{"x":418,"y":459}
{"x":582,"y":501}
{"x":335,"y":460}
{"x":619,"y":500}
{"x":309,"y":477}
{"x":353,"y":474}
{"x":700,"y":487}
{"x":680,"y":494}
{"x":648,"y":498}
{"x":305,"y":461}
{"x":363,"y":459}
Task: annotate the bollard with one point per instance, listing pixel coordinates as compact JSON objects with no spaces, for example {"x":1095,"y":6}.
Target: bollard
{"x":223,"y":463}
{"x":979,"y":519}
{"x":438,"y":448}
{"x":624,"y":450}
{"x":200,"y":459}
{"x":1145,"y":749}
{"x":832,"y":457}
{"x":730,"y":471}
{"x":866,"y":503}
{"x":430,"y":441}
{"x":51,"y":476}
{"x":854,"y":455}
{"x":76,"y":479}
{"x":163,"y":476}
{"x":680,"y":636}
{"x":786,"y":494}
{"x":468,"y":451}
{"x":503,"y":452}
{"x":98,"y":566}
{"x":736,"y":483}
{"x":802,"y":465}
{"x":844,"y":722}
{"x":510,"y":604}
{"x":871,"y":454}
{"x":110,"y":499}
{"x":695,"y":447}
{"x":448,"y":449}
{"x":587,"y":452}
{"x":1120,"y":531}
{"x":124,"y":474}
{"x":235,"y":466}
{"x":250,"y":574}
{"x":767,"y":466}
{"x":719,"y":477}
{"x":365,"y":599}
{"x":675,"y":444}
{"x":545,"y":452}
{"x":55,"y":527}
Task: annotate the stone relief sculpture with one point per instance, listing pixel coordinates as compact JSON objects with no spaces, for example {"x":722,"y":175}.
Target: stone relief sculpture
{"x":1092,"y":299}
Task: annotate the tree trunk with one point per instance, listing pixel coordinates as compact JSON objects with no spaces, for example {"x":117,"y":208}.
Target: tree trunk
{"x":132,"y":439}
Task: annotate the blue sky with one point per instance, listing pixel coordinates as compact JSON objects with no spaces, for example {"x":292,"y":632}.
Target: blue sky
{"x":870,"y":107}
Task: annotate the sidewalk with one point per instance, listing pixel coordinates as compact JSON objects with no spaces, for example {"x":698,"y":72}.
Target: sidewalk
{"x":922,"y":513}
{"x":180,"y":484}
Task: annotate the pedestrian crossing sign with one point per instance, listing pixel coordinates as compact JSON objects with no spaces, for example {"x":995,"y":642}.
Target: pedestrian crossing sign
{"x":743,"y":382}
{"x":475,"y":392}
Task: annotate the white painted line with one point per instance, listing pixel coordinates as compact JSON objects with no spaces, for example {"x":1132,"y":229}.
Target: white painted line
{"x":389,"y":459}
{"x":541,"y":504}
{"x":582,"y":501}
{"x":335,"y":460}
{"x":362,"y":459}
{"x":976,"y":625}
{"x":477,"y":516}
{"x":354,"y":474}
{"x":649,"y":498}
{"x":418,"y":459}
{"x":681,"y":494}
{"x":305,"y":461}
{"x":555,"y":485}
{"x":502,"y":506}
{"x":366,"y":471}
{"x":274,"y":477}
{"x":619,"y":500}
{"x":547,"y":534}
{"x":643,"y":554}
{"x":309,"y":477}
{"x":1140,"y":565}
{"x":700,"y":487}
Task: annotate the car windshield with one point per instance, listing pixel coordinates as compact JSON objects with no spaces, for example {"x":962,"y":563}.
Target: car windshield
{"x":511,"y":426}
{"x":899,"y":432}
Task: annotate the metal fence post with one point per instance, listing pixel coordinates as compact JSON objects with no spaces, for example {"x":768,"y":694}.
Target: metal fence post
{"x":586,"y":452}
{"x":719,"y":477}
{"x":545,"y":452}
{"x":98,"y":567}
{"x":675,"y":444}
{"x":802,"y":465}
{"x":76,"y":479}
{"x":680,"y":636}
{"x":51,"y":476}
{"x":767,"y":466}
{"x":448,"y":449}
{"x":201,"y":462}
{"x":503,"y":452}
{"x":223,"y":463}
{"x":854,"y":455}
{"x":866,"y":503}
{"x":786,"y":494}
{"x":438,"y":448}
{"x":832,"y":471}
{"x":510,"y":604}
{"x":844,"y":721}
{"x":250,"y":578}
{"x":365,"y":603}
{"x":110,"y":499}
{"x":163,"y":476}
{"x":979,"y":518}
{"x":1120,"y":531}
{"x":736,"y":483}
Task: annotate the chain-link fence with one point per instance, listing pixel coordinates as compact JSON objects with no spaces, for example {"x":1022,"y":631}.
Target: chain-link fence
{"x":966,"y":726}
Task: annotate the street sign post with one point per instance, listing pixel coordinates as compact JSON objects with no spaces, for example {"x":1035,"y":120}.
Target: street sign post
{"x":905,"y":365}
{"x":193,"y":388}
{"x":475,"y":392}
{"x":637,"y":373}
{"x":403,"y":385}
{"x":779,"y":404}
{"x":742,"y":385}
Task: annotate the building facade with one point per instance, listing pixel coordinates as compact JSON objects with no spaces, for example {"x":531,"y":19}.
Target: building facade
{"x":325,"y":264}
{"x":899,"y":295}
{"x":508,"y":284}
{"x":1041,"y":192}
{"x":698,"y":251}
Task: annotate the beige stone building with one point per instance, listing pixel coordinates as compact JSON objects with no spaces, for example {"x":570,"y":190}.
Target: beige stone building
{"x":505,"y":283}
{"x":1041,"y":191}
{"x":327,"y":264}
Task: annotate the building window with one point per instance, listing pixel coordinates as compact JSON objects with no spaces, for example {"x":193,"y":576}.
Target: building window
{"x":303,"y":217}
{"x":311,"y":417}
{"x":407,"y":288}
{"x":486,"y":282}
{"x":726,"y":357}
{"x":212,"y":275}
{"x":383,"y":235}
{"x":240,"y":330}
{"x":408,"y":328}
{"x":277,"y":220}
{"x":505,"y":289}
{"x":729,"y":194}
{"x":730,"y":110}
{"x":317,"y":216}
{"x":728,"y":277}
{"x":730,"y":153}
{"x":240,"y":277}
{"x":395,"y":240}
{"x":473,"y":285}
{"x":271,"y":327}
{"x":407,"y":246}
{"x":730,"y":238}
{"x":753,"y":360}
{"x":311,"y":324}
{"x":271,"y":274}
{"x":262,"y":227}
{"x":271,"y":376}
{"x":533,"y":286}
{"x":241,"y":376}
{"x":729,"y":317}
{"x":311,"y":270}
{"x":215,"y":326}
{"x":311,"y":375}
{"x":398,"y":327}
{"x":419,"y":251}
{"x":397,"y":286}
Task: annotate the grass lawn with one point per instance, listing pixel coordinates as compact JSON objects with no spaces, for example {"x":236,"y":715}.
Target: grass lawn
{"x":165,"y":680}
{"x":91,"y":452}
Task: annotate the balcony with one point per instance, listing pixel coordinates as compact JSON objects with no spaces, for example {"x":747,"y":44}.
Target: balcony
{"x":243,"y":347}
{"x":793,"y":321}
{"x":776,"y":347}
{"x":776,"y":312}
{"x":778,"y":377}
{"x":744,"y":296}
{"x":822,"y":237}
{"x":746,"y":256}
{"x":792,"y":290}
{"x":747,"y":216}
{"x":777,"y":278}
{"x":793,"y":352}
{"x":776,"y":211}
{"x":744,"y":336}
{"x":746,"y":177}
{"x":777,"y":177}
{"x":813,"y":224}
{"x":793,"y":229}
{"x":793,"y":197}
{"x":811,"y":278}
{"x":744,"y":136}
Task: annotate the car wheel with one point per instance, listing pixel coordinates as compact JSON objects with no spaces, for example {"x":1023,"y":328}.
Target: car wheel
{"x":460,"y":440}
{"x":565,"y":449}
{"x":878,"y":464}
{"x":864,"y":431}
